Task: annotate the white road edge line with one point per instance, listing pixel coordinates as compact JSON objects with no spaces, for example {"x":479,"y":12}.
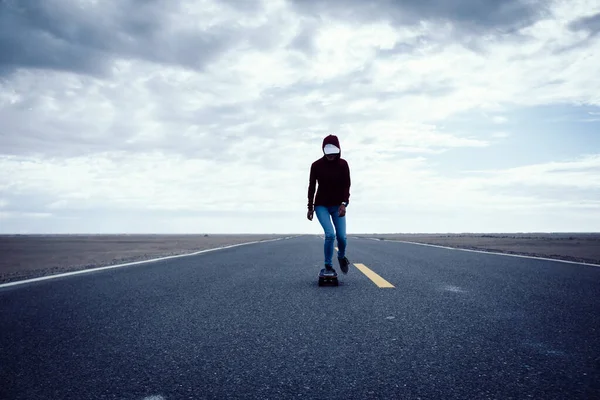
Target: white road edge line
{"x":85,"y":271}
{"x":490,"y":252}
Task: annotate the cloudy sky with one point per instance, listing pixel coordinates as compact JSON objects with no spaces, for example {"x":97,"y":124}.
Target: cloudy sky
{"x":170,"y":116}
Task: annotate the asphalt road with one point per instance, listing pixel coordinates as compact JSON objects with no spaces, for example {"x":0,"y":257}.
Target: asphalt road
{"x":250,"y":322}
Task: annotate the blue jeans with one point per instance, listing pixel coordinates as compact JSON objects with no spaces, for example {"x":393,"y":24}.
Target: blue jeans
{"x":326,"y":215}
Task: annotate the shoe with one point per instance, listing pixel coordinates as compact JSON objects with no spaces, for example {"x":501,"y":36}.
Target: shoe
{"x":344,"y":264}
{"x":329,"y":270}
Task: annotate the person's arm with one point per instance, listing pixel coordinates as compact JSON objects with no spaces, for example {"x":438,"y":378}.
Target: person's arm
{"x":347,"y":184}
{"x":346,"y":189}
{"x":312,"y":184}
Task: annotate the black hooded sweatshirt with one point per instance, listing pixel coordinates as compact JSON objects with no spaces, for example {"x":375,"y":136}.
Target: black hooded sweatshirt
{"x":333,"y":178}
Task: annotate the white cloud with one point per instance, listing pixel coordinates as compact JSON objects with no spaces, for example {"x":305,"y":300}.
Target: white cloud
{"x":148,"y":181}
{"x":238,"y":131}
{"x":583,"y":173}
{"x":6,"y":215}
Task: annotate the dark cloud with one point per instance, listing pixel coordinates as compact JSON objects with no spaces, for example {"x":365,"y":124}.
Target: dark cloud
{"x":62,"y":36}
{"x":304,"y":41}
{"x":49,"y":137}
{"x":247,"y":6}
{"x":591,"y":24}
{"x":398,"y":48}
{"x":466,"y":15}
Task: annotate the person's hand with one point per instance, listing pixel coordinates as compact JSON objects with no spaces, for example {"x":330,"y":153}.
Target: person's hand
{"x":342,"y":210}
{"x":309,"y":215}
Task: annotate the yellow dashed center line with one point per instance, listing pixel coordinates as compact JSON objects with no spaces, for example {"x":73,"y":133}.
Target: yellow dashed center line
{"x":378,"y":280}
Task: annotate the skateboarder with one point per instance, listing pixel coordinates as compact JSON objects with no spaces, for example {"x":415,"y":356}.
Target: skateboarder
{"x":333,"y":194}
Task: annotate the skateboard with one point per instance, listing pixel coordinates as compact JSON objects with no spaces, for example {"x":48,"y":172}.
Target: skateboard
{"x":328,"y":278}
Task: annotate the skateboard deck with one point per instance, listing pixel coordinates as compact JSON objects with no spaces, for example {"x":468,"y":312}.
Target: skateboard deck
{"x":328,"y":278}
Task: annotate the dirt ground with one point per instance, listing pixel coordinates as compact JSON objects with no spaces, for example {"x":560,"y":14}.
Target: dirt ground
{"x":29,"y":256}
{"x":580,"y":247}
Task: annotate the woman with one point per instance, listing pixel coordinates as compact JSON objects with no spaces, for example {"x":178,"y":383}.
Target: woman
{"x":333,"y":175}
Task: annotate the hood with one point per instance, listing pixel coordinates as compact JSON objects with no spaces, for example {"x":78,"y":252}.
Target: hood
{"x":332,"y":139}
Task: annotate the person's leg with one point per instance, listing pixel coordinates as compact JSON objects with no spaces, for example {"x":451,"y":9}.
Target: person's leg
{"x":325,"y":220}
{"x":340,"y":231}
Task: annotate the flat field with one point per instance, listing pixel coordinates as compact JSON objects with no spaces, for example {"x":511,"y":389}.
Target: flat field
{"x":29,"y":256}
{"x":580,"y":247}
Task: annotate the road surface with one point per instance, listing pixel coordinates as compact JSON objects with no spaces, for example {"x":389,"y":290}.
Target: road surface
{"x":250,"y":322}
